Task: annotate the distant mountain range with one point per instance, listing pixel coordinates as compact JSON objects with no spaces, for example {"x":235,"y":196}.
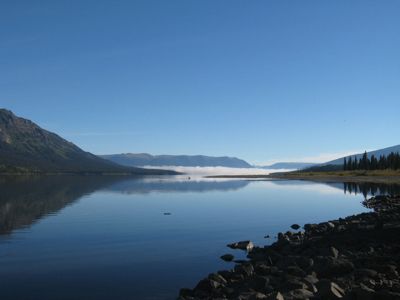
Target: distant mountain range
{"x":289,"y":165}
{"x":377,"y":153}
{"x":25,"y":147}
{"x":144,"y":159}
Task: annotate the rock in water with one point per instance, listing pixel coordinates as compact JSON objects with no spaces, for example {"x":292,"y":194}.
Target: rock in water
{"x":295,"y":226}
{"x":242,"y":245}
{"x":227,"y":257}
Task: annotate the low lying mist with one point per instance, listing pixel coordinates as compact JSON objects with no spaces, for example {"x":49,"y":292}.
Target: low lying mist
{"x":211,"y":171}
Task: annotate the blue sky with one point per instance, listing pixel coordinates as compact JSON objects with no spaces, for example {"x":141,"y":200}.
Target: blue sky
{"x":261,"y":80}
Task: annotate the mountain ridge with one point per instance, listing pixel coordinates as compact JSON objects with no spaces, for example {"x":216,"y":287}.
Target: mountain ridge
{"x":27,"y":148}
{"x":145,"y":159}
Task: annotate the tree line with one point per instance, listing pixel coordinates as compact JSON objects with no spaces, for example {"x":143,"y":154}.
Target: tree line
{"x":391,"y":161}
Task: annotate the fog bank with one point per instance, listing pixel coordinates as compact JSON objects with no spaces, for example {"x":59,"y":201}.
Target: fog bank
{"x":212,"y":171}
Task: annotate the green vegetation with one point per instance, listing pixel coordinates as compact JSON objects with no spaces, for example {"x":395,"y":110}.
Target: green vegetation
{"x":357,"y":173}
{"x":391,"y":162}
{"x":365,"y":163}
{"x":386,"y":169}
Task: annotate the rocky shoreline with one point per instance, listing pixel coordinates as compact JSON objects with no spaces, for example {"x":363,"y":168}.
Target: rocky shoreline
{"x":352,"y":258}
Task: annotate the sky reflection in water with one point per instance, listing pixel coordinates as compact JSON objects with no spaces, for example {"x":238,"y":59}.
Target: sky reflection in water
{"x":101,"y":237}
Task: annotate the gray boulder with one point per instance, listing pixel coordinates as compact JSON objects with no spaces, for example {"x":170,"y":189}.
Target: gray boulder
{"x":329,"y":290}
{"x":242,"y":245}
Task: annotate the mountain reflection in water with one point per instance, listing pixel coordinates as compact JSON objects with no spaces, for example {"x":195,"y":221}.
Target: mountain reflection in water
{"x":24,"y":200}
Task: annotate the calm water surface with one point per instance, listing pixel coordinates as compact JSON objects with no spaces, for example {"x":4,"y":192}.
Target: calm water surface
{"x":108,"y":238}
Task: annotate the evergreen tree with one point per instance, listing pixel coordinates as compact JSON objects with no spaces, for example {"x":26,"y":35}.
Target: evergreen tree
{"x":397,"y":161}
{"x":381,"y":164}
{"x":391,"y":161}
{"x":373,"y":163}
{"x":363,"y":161}
{"x":350,"y":164}
{"x":355,"y":163}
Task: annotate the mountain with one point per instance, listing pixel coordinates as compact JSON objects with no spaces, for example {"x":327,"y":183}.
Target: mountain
{"x":144,"y":159}
{"x":25,"y":147}
{"x":288,"y":165}
{"x":377,"y":153}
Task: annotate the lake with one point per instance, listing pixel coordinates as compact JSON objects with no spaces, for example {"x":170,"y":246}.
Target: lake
{"x":65,"y":237}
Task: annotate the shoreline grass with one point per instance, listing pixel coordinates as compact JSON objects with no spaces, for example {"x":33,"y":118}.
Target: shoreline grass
{"x":381,"y":176}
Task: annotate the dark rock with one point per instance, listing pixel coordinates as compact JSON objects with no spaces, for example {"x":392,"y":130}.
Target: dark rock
{"x":257,"y":256}
{"x":340,"y":228}
{"x":311,"y":281}
{"x":260,"y":283}
{"x":294,"y":270}
{"x":263,"y":269}
{"x":301,"y":294}
{"x":186,"y":292}
{"x":304,"y":262}
{"x":207,"y":285}
{"x":227,"y":257}
{"x":218,"y":278}
{"x":226,"y":274}
{"x":328,"y":266}
{"x":329,"y":225}
{"x":293,"y":283}
{"x":285,"y":263}
{"x":236,"y":277}
{"x":392,"y":272}
{"x":283,"y":239}
{"x":295,"y":226}
{"x":310,"y":227}
{"x":240,"y":261}
{"x":366,"y":273}
{"x":228,"y":290}
{"x":245,"y":269}
{"x":311,"y":278}
{"x":387,"y":295}
{"x":308,"y":265}
{"x":257,"y":296}
{"x":363,"y":292}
